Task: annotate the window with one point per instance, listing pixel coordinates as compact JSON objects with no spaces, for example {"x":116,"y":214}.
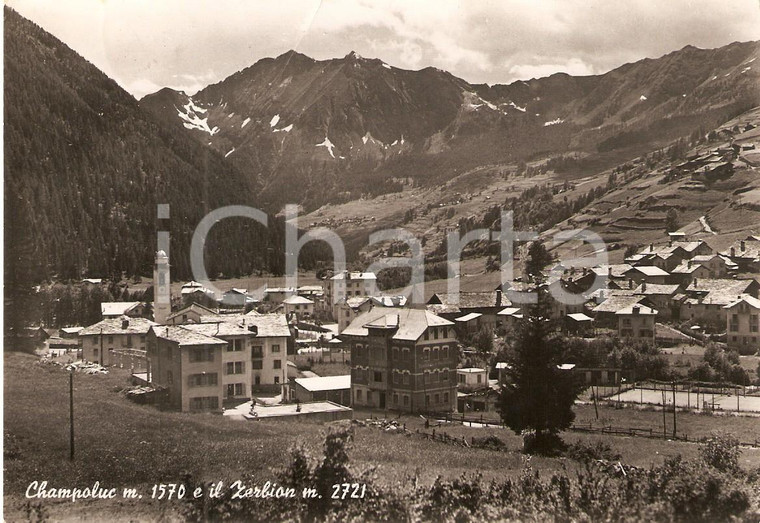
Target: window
{"x":396,"y":378}
{"x":204,"y":403}
{"x":435,"y":334}
{"x":275,"y":349}
{"x":257,"y":351}
{"x":395,"y":399}
{"x":445,"y":397}
{"x":276,"y":380}
{"x":427,"y":400}
{"x":445,"y":352}
{"x":405,"y":354}
{"x":394,"y":354}
{"x":445,"y":332}
{"x":437,"y":398}
{"x":257,"y":364}
{"x":406,"y":379}
{"x":406,"y":400}
{"x":425,"y":354}
{"x":445,"y":375}
{"x":235,"y":367}
{"x":277,"y":364}
{"x":436,"y":353}
{"x":198,"y":354}
{"x":425,"y":377}
{"x":753,"y":324}
{"x":377,"y":376}
{"x":202,"y":380}
{"x":129,"y":340}
{"x":110,"y":339}
{"x":94,"y":341}
{"x":239,"y":389}
{"x":427,"y":335}
{"x":235,"y":345}
{"x":358,"y":395}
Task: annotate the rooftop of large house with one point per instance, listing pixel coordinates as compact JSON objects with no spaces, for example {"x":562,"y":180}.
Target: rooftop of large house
{"x":649,"y":270}
{"x":408,"y":324}
{"x":639,"y":309}
{"x":117,"y":308}
{"x":354,"y":275}
{"x":298,"y":300}
{"x":719,"y":291}
{"x":744,"y":298}
{"x":389,"y":301}
{"x":184,"y":337}
{"x":324,"y":383}
{"x":651,"y":289}
{"x":749,"y":248}
{"x":468,"y":300}
{"x":221,"y":328}
{"x":617,"y":302}
{"x":120,"y":325}
{"x":197,"y":307}
{"x":616,"y":270}
{"x":267,"y":325}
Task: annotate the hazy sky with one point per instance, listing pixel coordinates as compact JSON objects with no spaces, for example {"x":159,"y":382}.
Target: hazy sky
{"x":187,"y":44}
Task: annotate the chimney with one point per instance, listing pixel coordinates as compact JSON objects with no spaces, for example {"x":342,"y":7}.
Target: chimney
{"x":124,"y":322}
{"x":670,"y":241}
{"x":744,"y":245}
{"x":688,"y":264}
{"x":254,"y":329}
{"x":609,"y":272}
{"x":651,"y":246}
{"x":733,"y":251}
{"x":643,"y":286}
{"x":630,"y":283}
{"x":635,"y":309}
{"x":498,"y":297}
{"x":696,"y":282}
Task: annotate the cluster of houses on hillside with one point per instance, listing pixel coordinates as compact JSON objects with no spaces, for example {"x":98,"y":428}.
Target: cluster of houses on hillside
{"x":204,"y":358}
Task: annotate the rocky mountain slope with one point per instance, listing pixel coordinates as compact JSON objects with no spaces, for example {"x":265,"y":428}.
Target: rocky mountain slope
{"x":314,"y":132}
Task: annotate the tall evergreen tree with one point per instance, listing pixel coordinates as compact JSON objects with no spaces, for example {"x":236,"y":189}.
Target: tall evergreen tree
{"x":539,"y":396}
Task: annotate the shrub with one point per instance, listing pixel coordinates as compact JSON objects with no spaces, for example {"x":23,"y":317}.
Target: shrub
{"x":721,"y":451}
{"x":587,"y":452}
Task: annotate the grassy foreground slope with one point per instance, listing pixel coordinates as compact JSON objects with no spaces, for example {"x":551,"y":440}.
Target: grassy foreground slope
{"x":122,"y":444}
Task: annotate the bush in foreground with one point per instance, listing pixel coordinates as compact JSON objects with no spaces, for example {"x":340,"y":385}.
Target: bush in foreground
{"x":679,"y":490}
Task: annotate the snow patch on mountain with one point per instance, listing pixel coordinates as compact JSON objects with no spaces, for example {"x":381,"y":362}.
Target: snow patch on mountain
{"x":245,"y":122}
{"x":229,"y":152}
{"x":553,"y":122}
{"x":386,"y":66}
{"x":643,"y":98}
{"x":285,"y":129}
{"x":274,"y":120}
{"x":328,"y":145}
{"x":191,"y":120}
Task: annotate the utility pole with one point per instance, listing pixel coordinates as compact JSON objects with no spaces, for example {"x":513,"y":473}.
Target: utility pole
{"x":71,"y":415}
{"x":664,"y":427}
{"x":674,"y":410}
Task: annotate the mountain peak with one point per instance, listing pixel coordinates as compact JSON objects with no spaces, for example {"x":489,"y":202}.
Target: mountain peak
{"x":353,"y":55}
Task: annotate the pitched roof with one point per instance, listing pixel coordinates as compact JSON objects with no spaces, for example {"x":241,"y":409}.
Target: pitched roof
{"x":468,"y":300}
{"x":579,"y":316}
{"x":117,"y":308}
{"x":648,"y":270}
{"x":184,"y":336}
{"x":616,"y":302}
{"x":720,"y":291}
{"x":322,"y":383}
{"x":409,"y":324}
{"x":746,"y":298}
{"x":201,"y":309}
{"x":656,"y":288}
{"x":298,"y":300}
{"x":221,"y":328}
{"x":114,"y":326}
{"x":618,"y":270}
{"x":643,"y":310}
{"x":751,"y":248}
{"x":354,"y":276}
{"x":468,"y":317}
